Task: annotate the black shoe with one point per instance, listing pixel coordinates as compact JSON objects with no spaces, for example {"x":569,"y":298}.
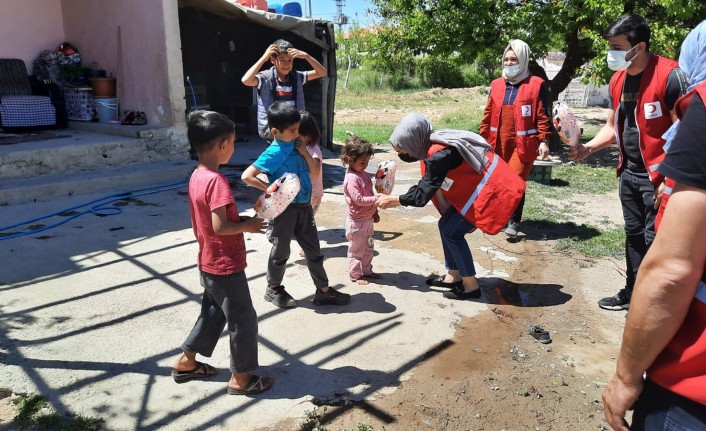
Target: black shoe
{"x":460,"y":294}
{"x":621,"y":301}
{"x":332,"y":297}
{"x":280,"y":297}
{"x":439,"y":282}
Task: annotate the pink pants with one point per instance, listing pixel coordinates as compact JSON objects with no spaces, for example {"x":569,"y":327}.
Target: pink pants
{"x":360,"y":248}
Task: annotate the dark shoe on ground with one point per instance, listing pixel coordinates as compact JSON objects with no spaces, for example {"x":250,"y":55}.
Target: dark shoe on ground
{"x":621,"y":301}
{"x":202,"y":371}
{"x":439,"y":282}
{"x":540,"y":334}
{"x":256,"y":385}
{"x":511,"y":229}
{"x":280,"y":297}
{"x":460,"y":294}
{"x":332,"y":297}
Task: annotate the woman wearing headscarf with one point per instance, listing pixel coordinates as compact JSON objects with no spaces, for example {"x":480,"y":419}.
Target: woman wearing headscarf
{"x":469,"y":185}
{"x":516,"y":118}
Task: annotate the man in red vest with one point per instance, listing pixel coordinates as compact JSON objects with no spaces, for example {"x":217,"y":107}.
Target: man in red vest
{"x":643,"y":91}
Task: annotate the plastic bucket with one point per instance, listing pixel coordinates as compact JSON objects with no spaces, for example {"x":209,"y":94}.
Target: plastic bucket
{"x":106,"y":108}
{"x":103,"y":87}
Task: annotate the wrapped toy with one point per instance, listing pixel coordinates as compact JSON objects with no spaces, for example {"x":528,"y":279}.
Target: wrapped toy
{"x":566,"y":124}
{"x":385,"y":177}
{"x":277,"y":196}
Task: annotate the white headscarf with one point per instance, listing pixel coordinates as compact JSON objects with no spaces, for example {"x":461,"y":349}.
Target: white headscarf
{"x":522,"y":51}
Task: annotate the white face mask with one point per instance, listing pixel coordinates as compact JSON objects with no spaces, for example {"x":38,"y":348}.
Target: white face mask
{"x":512,"y":71}
{"x":616,"y":59}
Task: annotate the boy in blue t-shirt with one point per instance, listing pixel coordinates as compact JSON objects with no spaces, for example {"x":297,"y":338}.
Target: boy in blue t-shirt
{"x":297,"y":221}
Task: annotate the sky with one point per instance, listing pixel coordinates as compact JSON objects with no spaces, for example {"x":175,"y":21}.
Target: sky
{"x":326,"y":9}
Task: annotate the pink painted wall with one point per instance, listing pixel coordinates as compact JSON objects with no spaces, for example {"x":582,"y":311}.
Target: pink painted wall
{"x":27,"y":27}
{"x":139,"y":62}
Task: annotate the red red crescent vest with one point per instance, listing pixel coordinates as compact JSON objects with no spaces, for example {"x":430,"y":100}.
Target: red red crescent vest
{"x":681,"y":367}
{"x":525,"y":106}
{"x":486,"y":199}
{"x":651,"y":114}
{"x":680,"y":109}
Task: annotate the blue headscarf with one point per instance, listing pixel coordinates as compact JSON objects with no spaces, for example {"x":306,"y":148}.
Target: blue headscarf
{"x":692,"y":61}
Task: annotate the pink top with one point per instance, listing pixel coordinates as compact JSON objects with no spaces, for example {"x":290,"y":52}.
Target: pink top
{"x":218,"y":254}
{"x":317,"y":182}
{"x":358,"y":188}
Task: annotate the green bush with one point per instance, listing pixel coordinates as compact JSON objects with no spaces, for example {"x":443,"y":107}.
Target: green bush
{"x":438,"y":72}
{"x":473,"y":77}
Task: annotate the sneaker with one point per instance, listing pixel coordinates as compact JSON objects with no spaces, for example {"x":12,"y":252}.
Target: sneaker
{"x":621,"y":301}
{"x":332,"y":297}
{"x":511,"y":229}
{"x":280,"y":297}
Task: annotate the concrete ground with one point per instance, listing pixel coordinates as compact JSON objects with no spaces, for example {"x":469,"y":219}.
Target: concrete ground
{"x":92,"y":311}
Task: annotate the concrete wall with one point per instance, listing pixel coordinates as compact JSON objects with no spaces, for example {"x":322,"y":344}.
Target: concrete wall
{"x":127,"y":38}
{"x":27,"y":27}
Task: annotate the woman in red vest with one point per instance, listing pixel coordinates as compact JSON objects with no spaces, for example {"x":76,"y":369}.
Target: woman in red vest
{"x":516,"y":118}
{"x":469,"y":185}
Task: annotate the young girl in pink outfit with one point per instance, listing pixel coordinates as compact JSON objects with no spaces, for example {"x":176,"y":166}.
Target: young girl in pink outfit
{"x":309,"y":133}
{"x":358,"y":189}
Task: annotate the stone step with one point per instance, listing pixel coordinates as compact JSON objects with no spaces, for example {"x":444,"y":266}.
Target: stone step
{"x":109,"y":180}
{"x":76,"y":150}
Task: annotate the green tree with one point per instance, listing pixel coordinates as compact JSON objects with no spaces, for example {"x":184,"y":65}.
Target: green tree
{"x":473,"y":28}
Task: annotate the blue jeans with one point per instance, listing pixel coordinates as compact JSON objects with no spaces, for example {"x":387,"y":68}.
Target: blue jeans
{"x":457,"y":255}
{"x":658,"y":409}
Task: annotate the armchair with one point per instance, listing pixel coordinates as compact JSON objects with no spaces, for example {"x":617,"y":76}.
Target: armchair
{"x":27,"y":103}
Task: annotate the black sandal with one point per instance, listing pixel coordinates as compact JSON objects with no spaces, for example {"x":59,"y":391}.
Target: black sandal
{"x":540,"y":334}
{"x":460,"y":294}
{"x":439,"y":282}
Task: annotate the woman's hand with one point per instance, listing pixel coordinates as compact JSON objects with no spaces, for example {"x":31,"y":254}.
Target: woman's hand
{"x":543,"y":151}
{"x":387,"y":201}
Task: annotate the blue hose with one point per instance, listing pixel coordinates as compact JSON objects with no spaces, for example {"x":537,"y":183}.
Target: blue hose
{"x":100,"y":208}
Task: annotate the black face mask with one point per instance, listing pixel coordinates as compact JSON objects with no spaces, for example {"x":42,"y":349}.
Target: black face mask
{"x":407,"y":158}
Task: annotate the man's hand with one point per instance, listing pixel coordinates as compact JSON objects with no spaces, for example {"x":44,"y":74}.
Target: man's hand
{"x":579,"y":152}
{"x":659,"y":192}
{"x":253,"y":224}
{"x":618,"y":398}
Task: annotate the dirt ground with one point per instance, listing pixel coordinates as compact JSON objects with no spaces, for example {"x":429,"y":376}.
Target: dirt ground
{"x":492,"y":375}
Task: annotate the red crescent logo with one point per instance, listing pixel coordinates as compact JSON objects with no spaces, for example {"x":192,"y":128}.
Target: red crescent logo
{"x":651,"y":108}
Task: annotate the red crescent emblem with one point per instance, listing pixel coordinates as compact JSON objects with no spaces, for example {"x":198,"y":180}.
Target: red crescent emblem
{"x":651,"y":108}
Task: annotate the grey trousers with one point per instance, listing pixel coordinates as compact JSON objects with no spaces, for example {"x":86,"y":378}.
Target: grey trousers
{"x":297,"y":222}
{"x":226,"y":300}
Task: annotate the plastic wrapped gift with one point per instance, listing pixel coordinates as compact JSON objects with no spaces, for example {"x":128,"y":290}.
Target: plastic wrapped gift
{"x":385,"y":177}
{"x":566,"y":124}
{"x":277,"y":196}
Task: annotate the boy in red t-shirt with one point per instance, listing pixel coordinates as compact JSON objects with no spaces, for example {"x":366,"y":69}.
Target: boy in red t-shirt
{"x":221,"y":261}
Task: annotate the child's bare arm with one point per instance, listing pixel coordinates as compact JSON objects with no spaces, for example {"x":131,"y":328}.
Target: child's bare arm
{"x":319,"y":70}
{"x":223,"y":226}
{"x":250,"y":77}
{"x":249,"y":177}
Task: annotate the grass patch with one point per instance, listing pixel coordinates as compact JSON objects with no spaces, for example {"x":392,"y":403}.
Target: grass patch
{"x":610,"y":242}
{"x":34,"y":413}
{"x":462,"y":120}
{"x":375,"y":133}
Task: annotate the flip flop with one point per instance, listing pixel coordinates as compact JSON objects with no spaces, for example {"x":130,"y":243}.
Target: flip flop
{"x":439,"y":282}
{"x":540,"y":334}
{"x":202,"y":371}
{"x":256,"y":385}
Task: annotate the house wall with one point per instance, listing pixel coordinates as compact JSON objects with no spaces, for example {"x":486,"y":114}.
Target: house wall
{"x":128,"y":39}
{"x":27,"y":27}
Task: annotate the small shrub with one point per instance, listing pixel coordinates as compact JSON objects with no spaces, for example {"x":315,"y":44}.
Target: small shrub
{"x":438,"y":72}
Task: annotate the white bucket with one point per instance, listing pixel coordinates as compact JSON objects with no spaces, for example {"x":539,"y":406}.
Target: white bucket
{"x":106,"y":108}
